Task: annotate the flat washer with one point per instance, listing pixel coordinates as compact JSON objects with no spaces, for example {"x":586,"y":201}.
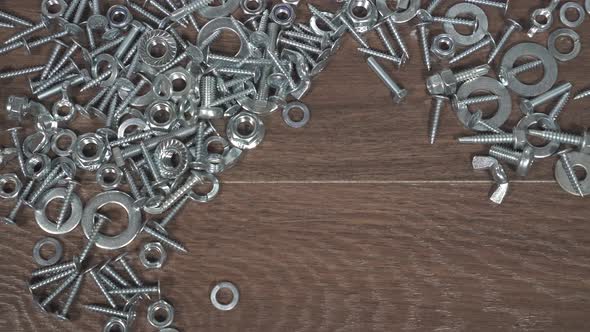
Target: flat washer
{"x":50,"y":227}
{"x":564,"y":32}
{"x":578,"y":159}
{"x":563,"y":14}
{"x":296,"y":105}
{"x":480,"y":16}
{"x":399,"y":16}
{"x":223,"y":23}
{"x":212,"y":12}
{"x":12,"y":192}
{"x":232,"y":288}
{"x":490,"y":85}
{"x":133,"y":213}
{"x":535,"y":118}
{"x":59,"y":249}
{"x":534,"y":51}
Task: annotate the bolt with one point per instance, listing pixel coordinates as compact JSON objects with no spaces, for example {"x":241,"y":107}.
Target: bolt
{"x":63,"y":315}
{"x":399,"y":93}
{"x":568,"y":167}
{"x":75,"y":81}
{"x":102,"y":288}
{"x":19,"y":150}
{"x":67,"y":202}
{"x":43,"y":24}
{"x":15,"y":19}
{"x":111,"y":285}
{"x":445,"y":82}
{"x":517,"y":138}
{"x":174,"y":211}
{"x":513,"y":26}
{"x":74,"y":264}
{"x":425,"y":16}
{"x":477,"y":123}
{"x":423,"y":33}
{"x":10,"y":219}
{"x":52,"y":178}
{"x":128,"y":315}
{"x":137,"y":290}
{"x":21,"y":72}
{"x":381,"y":55}
{"x":438,"y":106}
{"x":522,"y":160}
{"x":391,"y":25}
{"x":527,"y":106}
{"x":487,"y":40}
{"x":93,"y":236}
{"x":51,"y":279}
{"x":504,"y":75}
{"x":496,"y":4}
{"x":580,"y":141}
{"x":302,"y":46}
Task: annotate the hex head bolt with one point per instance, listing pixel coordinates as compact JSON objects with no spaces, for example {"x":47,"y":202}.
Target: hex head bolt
{"x":446,"y":82}
{"x":102,"y":288}
{"x":59,"y":289}
{"x":74,"y":264}
{"x":159,"y":233}
{"x":51,"y":279}
{"x":15,"y":19}
{"x":67,"y":202}
{"x":522,"y":160}
{"x":93,"y":236}
{"x":496,"y":4}
{"x":10,"y":219}
{"x":63,"y":315}
{"x":137,"y":290}
{"x":581,"y":142}
{"x":19,"y":150}
{"x":487,"y":40}
{"x":399,"y":93}
{"x":527,"y":106}
{"x":423,"y":34}
{"x":476,"y":122}
{"x":513,"y":26}
{"x":566,"y":163}
{"x":439,"y":102}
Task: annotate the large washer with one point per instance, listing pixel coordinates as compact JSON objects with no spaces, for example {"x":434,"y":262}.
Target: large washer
{"x":223,"y":23}
{"x":127,"y":203}
{"x":399,"y":16}
{"x":51,"y":227}
{"x":534,"y":51}
{"x":578,"y":159}
{"x":480,"y":16}
{"x":490,"y":85}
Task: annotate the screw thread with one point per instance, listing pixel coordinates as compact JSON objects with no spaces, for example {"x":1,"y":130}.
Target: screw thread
{"x":135,"y":290}
{"x":71,"y":9}
{"x":386,"y":42}
{"x":52,"y":279}
{"x":131,"y":273}
{"x":488,"y":139}
{"x":391,"y":25}
{"x":490,"y":3}
{"x":11,"y":47}
{"x":174,"y":62}
{"x":195,"y":5}
{"x":59,"y":289}
{"x":174,"y":211}
{"x":24,"y":33}
{"x":21,"y":72}
{"x":501,"y":43}
{"x":55,"y":268}
{"x":303,"y":36}
{"x":150,"y":162}
{"x":432,"y":6}
{"x":505,"y":154}
{"x":561,"y":137}
{"x":321,"y":16}
{"x":210,"y":40}
{"x":80,"y":11}
{"x":178,"y":38}
{"x":95,"y":98}
{"x":19,"y":203}
{"x":95,"y":82}
{"x":479,"y":100}
{"x":583,"y":94}
{"x":165,"y":240}
{"x":125,"y":103}
{"x":183,"y":190}
{"x":223,"y":58}
{"x":302,"y":46}
{"x":423,"y":33}
{"x":359,"y":39}
{"x":54,"y":78}
{"x":103,"y":48}
{"x":159,"y":7}
{"x":92,"y":237}
{"x":45,"y":40}
{"x":472,"y":73}
{"x":275,"y":59}
{"x":146,"y":182}
{"x":381,"y":55}
{"x":106,"y":310}
{"x":52,"y":59}
{"x":66,"y":205}
{"x":235,"y":71}
{"x":132,"y":185}
{"x":131,"y":53}
{"x":131,"y":138}
{"x":102,"y":288}
{"x":111,"y":285}
{"x":526,"y":67}
{"x":551,"y":94}
{"x":478,"y":46}
{"x":95,"y":7}
{"x":135,"y":150}
{"x":72,"y":295}
{"x":380,"y":71}
{"x":566,"y":163}
{"x":19,"y":151}
{"x":234,"y":82}
{"x":208,"y":91}
{"x":560,"y":106}
{"x":143,"y":12}
{"x":199,"y":141}
{"x":115,"y":275}
{"x":263,"y":24}
{"x":7,"y":25}
{"x":488,"y":127}
{"x":439,"y":103}
{"x":51,"y":178}
{"x":234,"y":96}
{"x":454,"y":20}
{"x":15,"y":19}
{"x":109,"y":96}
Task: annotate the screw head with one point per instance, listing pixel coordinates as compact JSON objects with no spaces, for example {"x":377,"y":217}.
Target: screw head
{"x":401,"y":96}
{"x":526,"y":161}
{"x":526,"y":106}
{"x":515,"y":24}
{"x":7,"y":221}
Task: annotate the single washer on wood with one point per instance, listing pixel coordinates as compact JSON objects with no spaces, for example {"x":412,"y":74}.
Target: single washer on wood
{"x":235,"y":296}
{"x":568,"y":33}
{"x":47,"y":261}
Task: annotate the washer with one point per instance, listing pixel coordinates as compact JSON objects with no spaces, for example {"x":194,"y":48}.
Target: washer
{"x":578,"y":159}
{"x":115,"y":324}
{"x":113,"y":66}
{"x":490,"y":85}
{"x":138,"y":123}
{"x":152,"y":246}
{"x":480,"y":17}
{"x":564,"y":32}
{"x":47,"y":225}
{"x":223,"y":23}
{"x":232,"y":288}
{"x":587,"y":5}
{"x":534,"y":51}
{"x":10,"y":193}
{"x":55,"y":140}
{"x":296,"y":105}
{"x":212,"y":12}
{"x":56,"y":256}
{"x":399,"y":15}
{"x":133,"y":213}
{"x":563,"y":14}
{"x":160,"y":305}
{"x":536,"y":118}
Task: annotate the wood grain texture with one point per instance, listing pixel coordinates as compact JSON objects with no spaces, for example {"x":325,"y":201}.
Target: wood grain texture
{"x":352,"y":223}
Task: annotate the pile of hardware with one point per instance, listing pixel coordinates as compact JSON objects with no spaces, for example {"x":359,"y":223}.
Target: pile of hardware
{"x":159,"y":100}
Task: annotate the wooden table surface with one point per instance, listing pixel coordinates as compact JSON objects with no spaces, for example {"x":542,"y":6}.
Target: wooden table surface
{"x":352,"y":223}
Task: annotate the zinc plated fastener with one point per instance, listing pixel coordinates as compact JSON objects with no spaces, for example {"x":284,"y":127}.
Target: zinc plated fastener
{"x":527,"y":106}
{"x":423,"y":34}
{"x":522,"y":160}
{"x":513,"y":26}
{"x":490,"y":3}
{"x":93,"y":236}
{"x":439,"y":102}
{"x":580,"y":141}
{"x":19,"y":150}
{"x":566,"y":163}
{"x":66,"y":203}
{"x":399,"y":93}
{"x":102,"y":288}
{"x":487,"y":40}
{"x":10,"y":219}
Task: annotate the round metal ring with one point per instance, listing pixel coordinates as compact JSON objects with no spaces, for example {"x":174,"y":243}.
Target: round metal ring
{"x":119,"y":17}
{"x":235,"y":296}
{"x":480,"y":17}
{"x":152,"y":264}
{"x":113,"y":66}
{"x":163,"y":306}
{"x":30,"y":145}
{"x":10,"y":186}
{"x":283,"y":14}
{"x":56,"y":256}
{"x":123,"y":200}
{"x":109,"y":176}
{"x":490,"y":85}
{"x":563,"y":14}
{"x":172,"y":158}
{"x":38,"y":166}
{"x":212,"y":12}
{"x":212,"y":193}
{"x":123,"y":129}
{"x":399,"y":16}
{"x":443,"y":46}
{"x":578,"y":159}
{"x":55,"y":142}
{"x":296,"y":105}
{"x":48,"y":8}
{"x":50,"y":227}
{"x":223,"y":23}
{"x":115,"y":324}
{"x":568,"y":33}
{"x":534,"y":51}
{"x":535,"y":119}
{"x":157,"y":48}
{"x":260,"y":7}
{"x":181,"y":75}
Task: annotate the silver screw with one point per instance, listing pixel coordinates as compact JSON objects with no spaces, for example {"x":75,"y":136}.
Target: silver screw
{"x":160,"y":235}
{"x":520,"y":69}
{"x":568,"y":167}
{"x":111,"y":285}
{"x":128,"y":269}
{"x":476,"y":122}
{"x":513,"y":26}
{"x":10,"y":219}
{"x":52,"y":178}
{"x":234,"y":96}
{"x":581,"y":141}
{"x":80,"y":11}
{"x":150,"y":163}
{"x":125,"y":103}
{"x":558,"y":108}
{"x":96,"y":81}
{"x":51,"y":279}
{"x":488,"y":139}
{"x":495,"y":4}
{"x":425,"y":16}
{"x":6,"y":25}
{"x":70,"y":300}
{"x":391,"y":25}
{"x":474,"y":100}
{"x":381,"y":55}
{"x":522,"y":160}
{"x":55,"y":78}
{"x":106,"y":268}
{"x":423,"y":33}
{"x":199,"y":162}
{"x":128,"y":315}
{"x":527,"y":106}
{"x":235,"y":71}
{"x":43,"y":24}
{"x":45,"y":40}
{"x":74,"y":264}
{"x":432,"y":6}
{"x":439,"y":102}
{"x":128,"y":139}
{"x":71,"y":9}
{"x":174,"y":211}
{"x":93,"y":236}
{"x":399,"y":93}
{"x":19,"y":150}
{"x":101,"y":109}
{"x":135,"y":150}
{"x":52,"y":59}
{"x":88,"y":56}
{"x":582,"y":94}
{"x":67,"y":202}
{"x":182,"y":12}
{"x":303,"y":46}
{"x":21,"y":72}
{"x":143,"y":12}
{"x":59,"y":289}
{"x":191,"y":18}
{"x":73,"y":81}
{"x":487,"y":40}
{"x":137,"y":290}
{"x":321,"y":16}
{"x":134,"y":31}
{"x":144,"y":179}
{"x":102,"y":288}
{"x":15,"y":19}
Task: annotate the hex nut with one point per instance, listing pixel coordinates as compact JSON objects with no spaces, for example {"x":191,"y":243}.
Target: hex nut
{"x":245,"y":130}
{"x":10,"y":186}
{"x":164,"y":306}
{"x":89,"y":151}
{"x":146,"y":249}
{"x":443,"y":46}
{"x":161,"y":115}
{"x":362,"y":14}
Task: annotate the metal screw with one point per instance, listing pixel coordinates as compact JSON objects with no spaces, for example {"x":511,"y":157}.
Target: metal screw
{"x":144,"y":179}
{"x":513,"y":26}
{"x":527,"y":106}
{"x":191,"y":18}
{"x":487,"y":40}
{"x":582,"y":94}
{"x":70,"y":300}
{"x":51,"y":279}
{"x":233,"y":97}
{"x":391,"y":25}
{"x":522,"y":160}
{"x":316,"y":12}
{"x":52,"y":178}
{"x":423,"y":33}
{"x":111,"y":285}
{"x":19,"y":150}
{"x":52,"y":59}
{"x":303,"y":46}
{"x":74,"y":81}
{"x":150,"y":163}
{"x":134,"y":31}
{"x":373,"y":53}
{"x":67,"y":202}
{"x":96,"y":81}
{"x":102,"y":288}
{"x":353,"y":32}
{"x":137,"y":290}
{"x":399,"y":93}
{"x":581,"y":141}
{"x":439,"y":102}
{"x":6,"y":25}
{"x":128,"y":269}
{"x":128,"y":139}
{"x":558,"y":108}
{"x":566,"y":163}
{"x":15,"y":19}
{"x":55,"y":78}
{"x":143,"y":12}
{"x":93,"y":236}
{"x":74,"y":264}
{"x":473,"y":100}
{"x":21,"y":72}
{"x":43,"y":24}
{"x":182,"y":12}
{"x":432,"y":6}
{"x":128,"y":315}
{"x":59,"y":289}
{"x":125,"y":103}
{"x":160,"y":235}
{"x":10,"y":219}
{"x":476,"y":122}
{"x":88,"y":56}
{"x":135,"y":150}
{"x":425,"y":16}
{"x":496,"y":4}
{"x":174,"y":211}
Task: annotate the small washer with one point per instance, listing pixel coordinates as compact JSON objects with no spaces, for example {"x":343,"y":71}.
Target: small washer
{"x":534,"y":51}
{"x":56,"y":256}
{"x":152,"y":246}
{"x":544,"y":121}
{"x":153,"y":309}
{"x":12,"y":191}
{"x":225,"y":9}
{"x":563,"y":14}
{"x":568,"y":33}
{"x":578,"y":159}
{"x":47,"y":225}
{"x":480,"y":17}
{"x":398,"y":15}
{"x":115,"y":324}
{"x":296,"y":105}
{"x":490,"y":85}
{"x":133,"y":213}
{"x":57,"y":137}
{"x":235,"y":298}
